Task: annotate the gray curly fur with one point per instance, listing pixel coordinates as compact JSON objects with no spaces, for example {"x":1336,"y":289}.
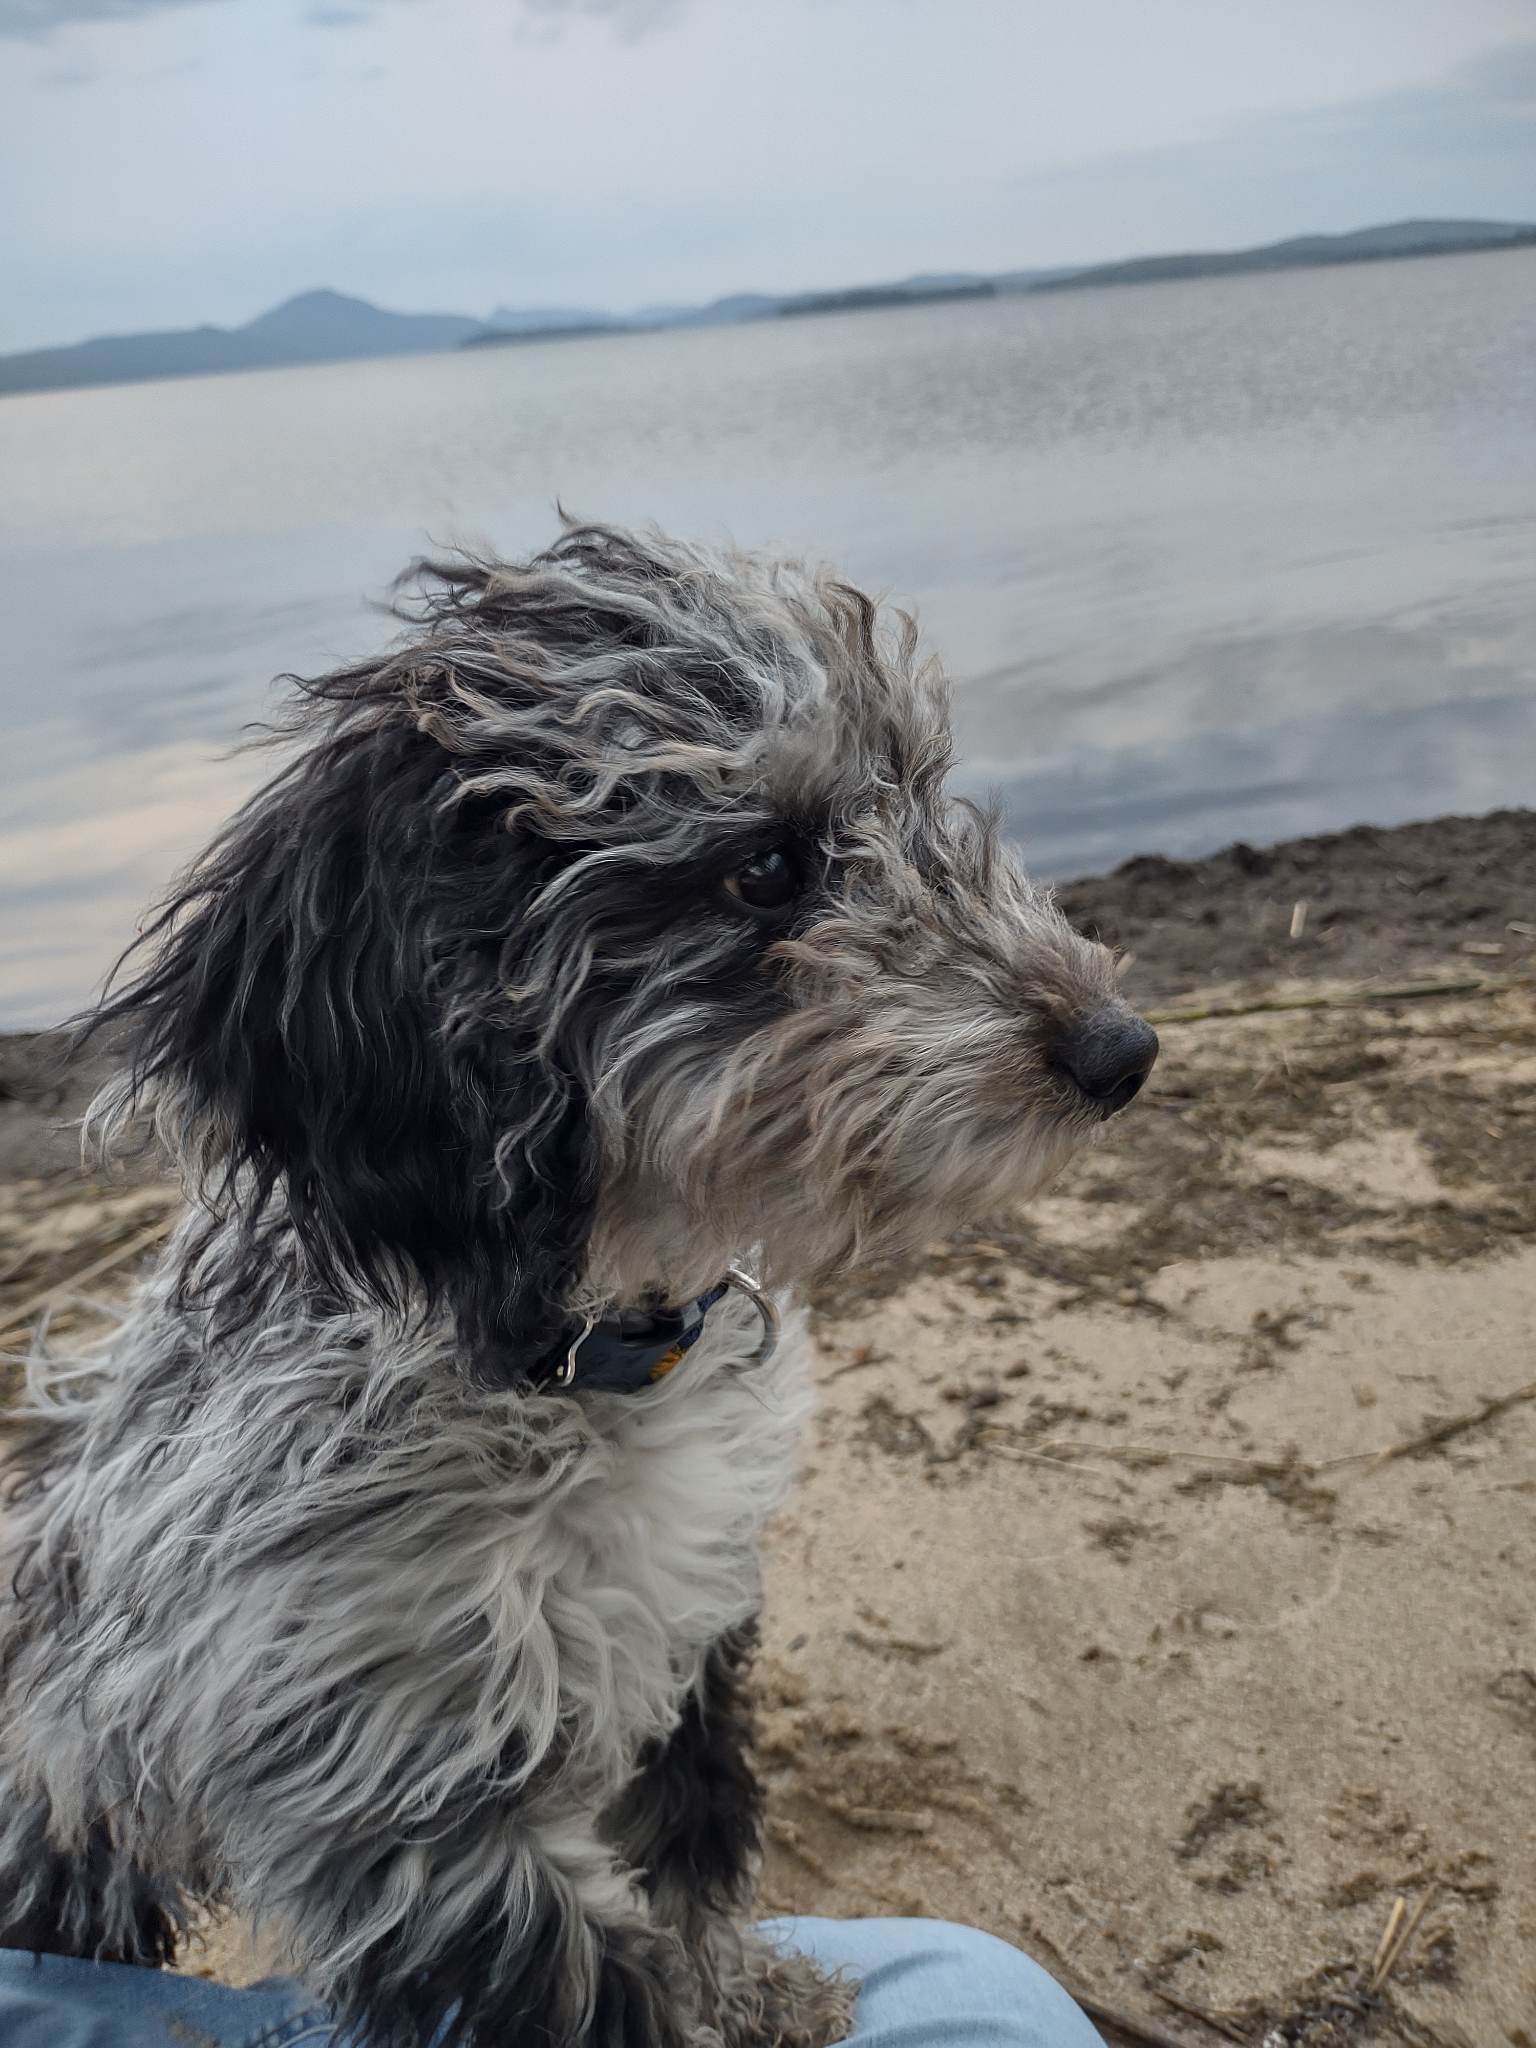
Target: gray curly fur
{"x":324,"y":1602}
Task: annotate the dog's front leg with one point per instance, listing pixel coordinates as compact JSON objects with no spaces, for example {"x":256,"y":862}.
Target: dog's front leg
{"x":513,"y":1925}
{"x":690,"y":1822}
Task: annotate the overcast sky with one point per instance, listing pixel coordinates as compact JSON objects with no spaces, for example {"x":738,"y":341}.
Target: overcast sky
{"x":166,"y":162}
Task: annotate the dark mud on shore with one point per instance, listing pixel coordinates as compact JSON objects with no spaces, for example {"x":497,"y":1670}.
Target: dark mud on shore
{"x":1378,"y":902}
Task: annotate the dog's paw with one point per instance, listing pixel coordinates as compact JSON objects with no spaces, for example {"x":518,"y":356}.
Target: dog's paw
{"x":785,"y":2000}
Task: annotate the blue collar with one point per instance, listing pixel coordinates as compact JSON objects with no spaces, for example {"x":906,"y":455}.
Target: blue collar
{"x":631,"y":1349}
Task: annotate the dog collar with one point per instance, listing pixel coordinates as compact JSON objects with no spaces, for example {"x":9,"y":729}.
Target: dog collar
{"x":629,"y":1350}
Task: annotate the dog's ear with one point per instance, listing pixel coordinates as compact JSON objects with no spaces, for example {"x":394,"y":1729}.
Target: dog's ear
{"x":322,"y":1027}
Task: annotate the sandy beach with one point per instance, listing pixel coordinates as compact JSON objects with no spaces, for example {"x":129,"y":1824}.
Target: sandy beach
{"x":1160,"y":1588}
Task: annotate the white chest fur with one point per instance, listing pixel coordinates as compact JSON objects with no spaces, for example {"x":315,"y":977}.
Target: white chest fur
{"x":655,"y":1543}
{"x":484,"y":1584}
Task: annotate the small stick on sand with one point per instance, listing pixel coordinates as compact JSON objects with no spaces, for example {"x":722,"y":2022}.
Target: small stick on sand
{"x":14,"y":1265}
{"x":881,"y":1820}
{"x":1062,"y":1452}
{"x":1388,"y":1941}
{"x":1397,"y":1936}
{"x":1000,"y":1434}
{"x":864,"y":1355}
{"x":1437,"y":1433}
{"x":899,"y":1646}
{"x":16,"y":1323}
{"x":1163,"y":1454}
{"x":1144,"y":2033}
{"x":1217,"y":2022}
{"x":1347,"y":999}
{"x":1299,"y":918}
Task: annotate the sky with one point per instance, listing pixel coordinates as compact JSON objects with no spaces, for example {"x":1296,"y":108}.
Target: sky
{"x":169,"y":162}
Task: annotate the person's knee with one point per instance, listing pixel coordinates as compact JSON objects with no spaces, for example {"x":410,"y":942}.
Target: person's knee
{"x":992,"y":1969}
{"x":983,"y":1990}
{"x":970,"y":1950}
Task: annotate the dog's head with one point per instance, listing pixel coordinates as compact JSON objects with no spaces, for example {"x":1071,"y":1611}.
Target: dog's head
{"x":616,"y":922}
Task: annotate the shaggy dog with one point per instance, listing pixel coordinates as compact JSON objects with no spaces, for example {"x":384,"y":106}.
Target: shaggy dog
{"x":391,"y":1573}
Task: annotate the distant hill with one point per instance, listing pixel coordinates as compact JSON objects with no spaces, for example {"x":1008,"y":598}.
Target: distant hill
{"x":725,"y":312}
{"x":742,"y":306}
{"x":551,"y":319}
{"x":521,"y":337}
{"x":327,"y":326}
{"x":872,"y":298}
{"x":1031,"y":280}
{"x":907,"y":291}
{"x":315,"y":327}
{"x":1364,"y":245}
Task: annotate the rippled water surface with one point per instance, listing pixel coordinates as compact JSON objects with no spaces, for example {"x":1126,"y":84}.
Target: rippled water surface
{"x":1243,"y":557}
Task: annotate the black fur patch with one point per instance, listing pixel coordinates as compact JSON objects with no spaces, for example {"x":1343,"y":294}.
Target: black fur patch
{"x":644,"y":1998}
{"x":320,"y":999}
{"x":92,"y":1903}
{"x":690,"y":1821}
{"x":630,"y":1989}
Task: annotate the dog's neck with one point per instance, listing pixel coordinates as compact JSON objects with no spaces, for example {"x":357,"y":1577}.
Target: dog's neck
{"x":626,"y":1350}
{"x":646,"y":1247}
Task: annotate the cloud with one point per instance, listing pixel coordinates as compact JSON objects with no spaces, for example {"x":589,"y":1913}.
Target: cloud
{"x":1491,"y":96}
{"x":59,"y":77}
{"x":32,"y":20}
{"x":1464,"y":144}
{"x":628,"y":17}
{"x":1503,"y":76}
{"x":1484,"y":104}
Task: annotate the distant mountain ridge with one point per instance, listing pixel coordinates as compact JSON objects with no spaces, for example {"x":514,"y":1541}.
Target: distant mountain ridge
{"x":314,"y":327}
{"x":549,"y":319}
{"x":1365,"y":245}
{"x":328,"y":326}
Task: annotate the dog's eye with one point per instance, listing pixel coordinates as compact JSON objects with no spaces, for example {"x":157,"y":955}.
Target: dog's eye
{"x":770,"y":880}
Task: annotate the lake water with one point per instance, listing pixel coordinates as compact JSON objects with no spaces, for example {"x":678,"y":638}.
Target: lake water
{"x":1237,"y":558}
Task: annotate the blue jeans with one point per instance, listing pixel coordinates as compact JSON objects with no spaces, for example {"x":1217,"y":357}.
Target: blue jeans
{"x":922,"y":1983}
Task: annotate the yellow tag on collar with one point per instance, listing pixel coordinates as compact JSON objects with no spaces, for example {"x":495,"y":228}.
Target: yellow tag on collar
{"x":664,"y":1365}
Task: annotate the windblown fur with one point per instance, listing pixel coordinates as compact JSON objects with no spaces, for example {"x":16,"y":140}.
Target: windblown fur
{"x":324,"y":1602}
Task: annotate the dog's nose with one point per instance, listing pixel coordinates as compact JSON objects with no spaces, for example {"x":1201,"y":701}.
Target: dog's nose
{"x":1108,"y":1054}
